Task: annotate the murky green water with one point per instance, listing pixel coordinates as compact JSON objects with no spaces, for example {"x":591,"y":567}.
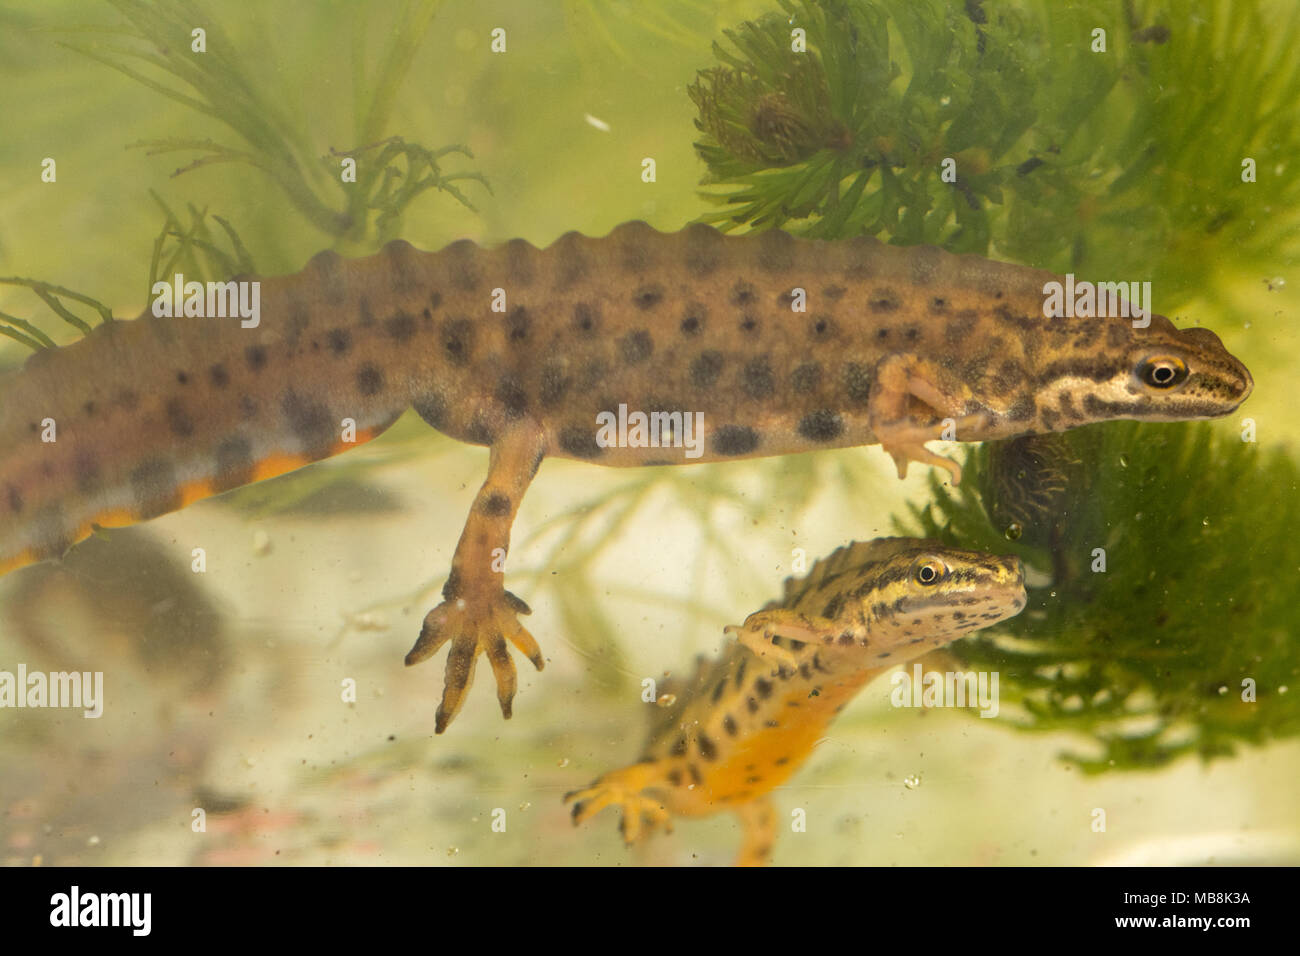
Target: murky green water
{"x":269,"y":690}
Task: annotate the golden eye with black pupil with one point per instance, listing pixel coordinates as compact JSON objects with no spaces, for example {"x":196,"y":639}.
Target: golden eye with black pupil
{"x":929,"y":572}
{"x":1162,"y":371}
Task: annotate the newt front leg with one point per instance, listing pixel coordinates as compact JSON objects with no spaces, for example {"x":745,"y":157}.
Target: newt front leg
{"x":902,"y":382}
{"x":477,"y":613}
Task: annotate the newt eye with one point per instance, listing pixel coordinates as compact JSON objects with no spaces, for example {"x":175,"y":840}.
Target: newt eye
{"x":1162,"y":371}
{"x":929,"y":572}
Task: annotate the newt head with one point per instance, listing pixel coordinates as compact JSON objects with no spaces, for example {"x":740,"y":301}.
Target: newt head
{"x":1157,"y":374}
{"x":933,"y":594}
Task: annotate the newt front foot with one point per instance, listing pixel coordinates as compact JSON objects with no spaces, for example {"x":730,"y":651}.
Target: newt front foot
{"x":475,"y":627}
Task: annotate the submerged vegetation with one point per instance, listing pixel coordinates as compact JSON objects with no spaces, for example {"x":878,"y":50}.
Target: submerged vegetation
{"x":1065,"y":158}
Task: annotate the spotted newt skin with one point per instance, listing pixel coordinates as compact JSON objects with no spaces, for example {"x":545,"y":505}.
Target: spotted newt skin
{"x":753,"y":715}
{"x":154,"y":414}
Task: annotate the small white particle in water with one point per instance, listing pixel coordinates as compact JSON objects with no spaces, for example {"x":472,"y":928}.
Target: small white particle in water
{"x":666,"y":700}
{"x":525,"y":806}
{"x":261,"y":542}
{"x":1223,"y":690}
{"x":1282,"y":689}
{"x":1205,"y":522}
{"x":945,"y":100}
{"x":912,"y":781}
{"x":600,"y":124}
{"x":562,"y":762}
{"x":460,"y":604}
{"x":93,"y":841}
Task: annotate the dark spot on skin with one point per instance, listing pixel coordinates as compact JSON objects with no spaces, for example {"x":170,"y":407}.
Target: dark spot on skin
{"x":821,"y":327}
{"x":585,"y":318}
{"x":435,"y":300}
{"x":821,"y":425}
{"x":857,"y":382}
{"x":756,"y":378}
{"x":911,"y":333}
{"x":884,"y":300}
{"x":15,"y":499}
{"x":458,"y":340}
{"x":339,"y":341}
{"x":496,"y":505}
{"x":707,"y":748}
{"x":743,"y":294}
{"x":748,"y":324}
{"x":806,"y":378}
{"x":233,"y":462}
{"x":751,"y":705}
{"x":938,"y":305}
{"x":636,"y":346}
{"x":675,"y":777}
{"x":182,"y":378}
{"x":648,"y":296}
{"x":834,"y":606}
{"x":729,"y":725}
{"x":366,"y":318}
{"x":679,"y":746}
{"x":218,"y":376}
{"x":370,"y":380}
{"x":579,"y":442}
{"x":846,"y":639}
{"x":154,"y":486}
{"x":400,"y":327}
{"x":89,"y":409}
{"x":706,"y":368}
{"x":735,"y":440}
{"x":763,"y":688}
{"x":512,"y":398}
{"x":693,"y":319}
{"x":432,"y":408}
{"x":255,"y":356}
{"x":178,"y":420}
{"x":518,"y":326}
{"x":310,"y":422}
{"x":695,"y":775}
{"x":554,"y":383}
{"x":86,"y":470}
{"x":834,"y":292}
{"x":1050,"y":418}
{"x":248,"y":407}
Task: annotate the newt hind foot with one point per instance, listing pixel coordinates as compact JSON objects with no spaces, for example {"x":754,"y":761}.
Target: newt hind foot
{"x":473,"y":628}
{"x":622,"y":788}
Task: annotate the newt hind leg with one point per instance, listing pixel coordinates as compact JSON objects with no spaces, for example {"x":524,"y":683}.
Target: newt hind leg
{"x":478,"y":615}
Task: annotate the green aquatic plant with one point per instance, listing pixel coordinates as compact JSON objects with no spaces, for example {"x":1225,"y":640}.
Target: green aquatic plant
{"x":1065,"y":157}
{"x":1165,"y":626}
{"x":155,"y":49}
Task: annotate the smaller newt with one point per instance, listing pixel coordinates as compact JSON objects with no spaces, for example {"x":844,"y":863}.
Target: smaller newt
{"x":753,"y":715}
